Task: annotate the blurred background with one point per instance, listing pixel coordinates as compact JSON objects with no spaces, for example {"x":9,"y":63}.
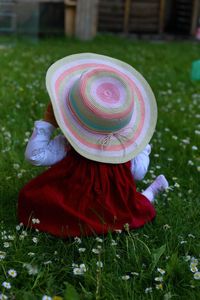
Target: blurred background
{"x":151,"y":19}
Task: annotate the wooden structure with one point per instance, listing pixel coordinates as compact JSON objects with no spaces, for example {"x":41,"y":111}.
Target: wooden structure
{"x":51,"y":18}
{"x":83,"y":18}
{"x":8,"y":16}
{"x":195,"y":16}
{"x":182,"y":17}
{"x":31,"y":17}
{"x":111,"y":16}
{"x":148,"y":16}
{"x":132,"y":16}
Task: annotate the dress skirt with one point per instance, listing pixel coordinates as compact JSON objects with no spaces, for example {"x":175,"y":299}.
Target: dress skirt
{"x":78,"y":197}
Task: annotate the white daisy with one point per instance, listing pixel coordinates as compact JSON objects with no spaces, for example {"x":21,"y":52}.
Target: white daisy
{"x":12,"y":273}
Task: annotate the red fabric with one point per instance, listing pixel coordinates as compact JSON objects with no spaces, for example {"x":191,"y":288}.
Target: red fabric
{"x":79,"y":197}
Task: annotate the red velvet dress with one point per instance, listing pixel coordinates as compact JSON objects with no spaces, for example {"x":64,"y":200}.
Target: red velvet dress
{"x":78,"y":197}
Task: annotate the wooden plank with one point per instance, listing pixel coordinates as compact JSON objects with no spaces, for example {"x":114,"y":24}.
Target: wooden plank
{"x":185,"y":12}
{"x":116,"y":14}
{"x":111,"y":19}
{"x":145,"y":14}
{"x":86,"y":19}
{"x":184,"y":8}
{"x":111,"y":27}
{"x":146,"y":23}
{"x":140,"y":24}
{"x":195,"y":12}
{"x":146,"y":2}
{"x":111,"y":10}
{"x":70,"y":3}
{"x":115,"y":23}
{"x":143,"y":29}
{"x":161,"y":16}
{"x":127,"y":15}
{"x":141,"y":6}
{"x":70,"y":17}
{"x":40,"y":1}
{"x":183,"y":1}
{"x":144,"y":10}
{"x":111,"y":3}
{"x":48,"y":1}
{"x":108,"y":27}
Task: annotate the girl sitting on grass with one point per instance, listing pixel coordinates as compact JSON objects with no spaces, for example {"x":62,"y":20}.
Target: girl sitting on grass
{"x":107,"y":114}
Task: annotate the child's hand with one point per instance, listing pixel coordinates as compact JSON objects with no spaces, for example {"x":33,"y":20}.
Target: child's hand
{"x":147,"y":149}
{"x":49,"y":115}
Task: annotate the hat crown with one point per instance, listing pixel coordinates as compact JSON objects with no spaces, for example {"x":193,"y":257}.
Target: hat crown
{"x":101,"y":100}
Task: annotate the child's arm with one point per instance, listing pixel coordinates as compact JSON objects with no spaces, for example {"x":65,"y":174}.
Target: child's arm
{"x":41,"y":150}
{"x":140,"y":164}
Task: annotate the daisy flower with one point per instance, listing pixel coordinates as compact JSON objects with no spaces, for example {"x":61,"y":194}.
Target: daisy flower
{"x":45,"y":297}
{"x":6,"y":285}
{"x":12,"y":273}
{"x":125,"y":277}
{"x":197,"y":275}
{"x":161,"y":271}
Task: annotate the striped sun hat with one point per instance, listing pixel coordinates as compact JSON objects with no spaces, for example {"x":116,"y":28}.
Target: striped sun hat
{"x":104,"y":107}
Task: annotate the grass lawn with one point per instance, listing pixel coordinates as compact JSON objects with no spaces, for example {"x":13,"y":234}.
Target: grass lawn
{"x":159,"y":261}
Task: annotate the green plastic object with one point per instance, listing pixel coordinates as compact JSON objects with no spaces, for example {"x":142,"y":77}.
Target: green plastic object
{"x":195,"y":74}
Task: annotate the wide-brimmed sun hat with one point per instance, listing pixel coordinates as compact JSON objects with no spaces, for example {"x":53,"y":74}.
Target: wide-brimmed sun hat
{"x":104,"y":107}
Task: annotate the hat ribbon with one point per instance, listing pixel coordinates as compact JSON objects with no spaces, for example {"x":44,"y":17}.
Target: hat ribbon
{"x":120,"y":136}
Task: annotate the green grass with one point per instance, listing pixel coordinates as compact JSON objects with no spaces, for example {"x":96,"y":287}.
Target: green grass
{"x":174,"y":235}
